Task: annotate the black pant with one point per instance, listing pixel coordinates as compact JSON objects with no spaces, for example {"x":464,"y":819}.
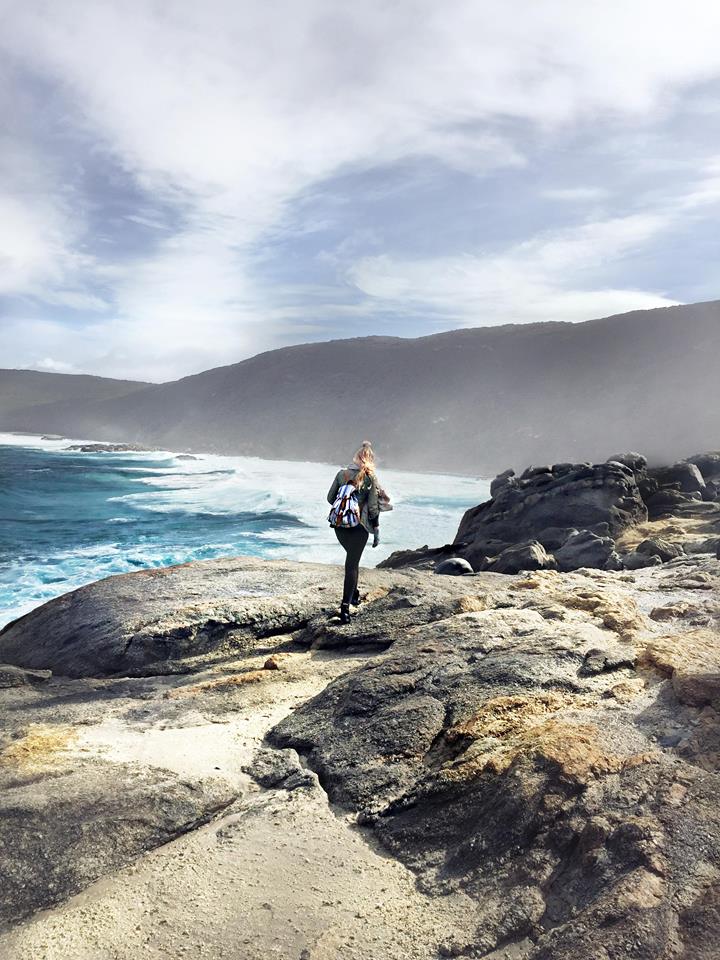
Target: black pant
{"x":353,"y":540}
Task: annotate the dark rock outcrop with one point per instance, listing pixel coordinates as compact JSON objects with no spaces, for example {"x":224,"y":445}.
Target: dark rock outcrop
{"x":554,"y":537}
{"x":569,"y":516}
{"x":181,"y":619}
{"x":636,"y":461}
{"x":668,"y":501}
{"x":603,"y":499}
{"x":280,"y":769}
{"x":423,"y":558}
{"x":501,"y":481}
{"x":711,"y":491}
{"x":107,"y":448}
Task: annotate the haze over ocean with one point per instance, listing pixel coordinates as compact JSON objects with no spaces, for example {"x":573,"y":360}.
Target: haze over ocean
{"x":69,"y":518}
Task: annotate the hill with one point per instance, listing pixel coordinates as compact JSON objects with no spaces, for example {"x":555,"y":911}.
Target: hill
{"x":471,"y":400}
{"x":22,"y":390}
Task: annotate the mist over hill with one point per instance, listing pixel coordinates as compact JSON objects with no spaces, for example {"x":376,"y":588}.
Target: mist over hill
{"x":473,"y":400}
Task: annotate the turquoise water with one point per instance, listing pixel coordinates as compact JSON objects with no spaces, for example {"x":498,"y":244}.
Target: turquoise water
{"x":67,"y":518}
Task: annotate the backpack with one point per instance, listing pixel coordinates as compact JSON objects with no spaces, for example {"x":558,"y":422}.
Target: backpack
{"x":345,"y":510}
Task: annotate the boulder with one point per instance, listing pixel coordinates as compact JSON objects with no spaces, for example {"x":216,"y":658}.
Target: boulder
{"x":501,"y":481}
{"x":280,"y":769}
{"x":422,"y":558}
{"x":523,"y":556}
{"x":665,"y":502}
{"x":454,"y":567}
{"x":581,"y":497}
{"x":711,"y":491}
{"x":706,"y":545}
{"x":531,"y":472}
{"x":637,"y":561}
{"x":660,"y":548}
{"x":636,"y":461}
{"x":638,"y":464}
{"x":607,"y":659}
{"x":708,"y":464}
{"x":647,"y":486}
{"x":553,"y":537}
{"x":560,"y":469}
{"x":586,"y":549}
{"x":686,"y":475}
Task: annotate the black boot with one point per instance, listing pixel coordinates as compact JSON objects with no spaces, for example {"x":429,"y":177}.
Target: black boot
{"x":344,"y":613}
{"x":356,"y":598}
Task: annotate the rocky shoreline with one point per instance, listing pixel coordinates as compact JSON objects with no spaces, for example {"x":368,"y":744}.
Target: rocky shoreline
{"x":569,"y":516}
{"x":201,"y":760}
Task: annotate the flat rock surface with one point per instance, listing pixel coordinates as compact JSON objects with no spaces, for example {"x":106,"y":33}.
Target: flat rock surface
{"x":172,"y":618}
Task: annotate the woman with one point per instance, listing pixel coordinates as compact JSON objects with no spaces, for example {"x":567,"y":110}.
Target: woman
{"x":355,"y":515}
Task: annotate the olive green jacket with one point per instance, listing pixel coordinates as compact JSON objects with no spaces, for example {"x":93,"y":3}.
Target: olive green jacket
{"x":367,"y":496}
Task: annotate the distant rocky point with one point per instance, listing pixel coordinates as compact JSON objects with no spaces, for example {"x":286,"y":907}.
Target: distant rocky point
{"x":107,"y":448}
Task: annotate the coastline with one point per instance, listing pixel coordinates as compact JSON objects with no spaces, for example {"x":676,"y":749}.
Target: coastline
{"x":201,"y":452}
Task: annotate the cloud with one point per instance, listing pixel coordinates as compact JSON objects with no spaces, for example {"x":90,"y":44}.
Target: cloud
{"x":574,"y":194}
{"x":53,"y":366}
{"x":228,"y":113}
{"x":34,"y":251}
{"x":553,"y":276}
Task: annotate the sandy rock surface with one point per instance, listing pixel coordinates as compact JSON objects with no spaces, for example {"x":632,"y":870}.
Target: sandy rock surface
{"x":485,"y":766}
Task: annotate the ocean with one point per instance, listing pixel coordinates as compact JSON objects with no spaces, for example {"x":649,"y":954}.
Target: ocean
{"x":68,"y":518}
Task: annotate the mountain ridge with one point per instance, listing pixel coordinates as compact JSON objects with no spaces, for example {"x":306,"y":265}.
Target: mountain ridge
{"x":472,"y":400}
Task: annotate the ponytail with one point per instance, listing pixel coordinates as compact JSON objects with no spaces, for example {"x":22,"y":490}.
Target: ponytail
{"x":365,"y":459}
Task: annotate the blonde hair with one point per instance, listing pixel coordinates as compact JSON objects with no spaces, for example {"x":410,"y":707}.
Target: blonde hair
{"x":365,"y":459}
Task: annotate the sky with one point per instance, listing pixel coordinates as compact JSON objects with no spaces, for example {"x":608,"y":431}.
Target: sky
{"x":184,"y":184}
